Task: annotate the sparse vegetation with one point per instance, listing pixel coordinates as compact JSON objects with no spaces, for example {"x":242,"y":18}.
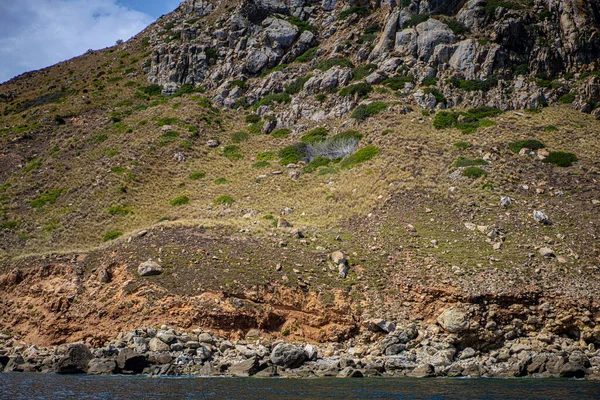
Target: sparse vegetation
{"x":239,"y":136}
{"x":326,"y":65}
{"x":227,"y":200}
{"x":48,"y":197}
{"x":281,"y":133}
{"x":197,"y":175}
{"x":221,"y":181}
{"x":463,"y":145}
{"x":293,"y":153}
{"x":119,"y":210}
{"x":358,"y":10}
{"x":467,"y":162}
{"x":315,"y":135}
{"x":359,"y":90}
{"x":232,"y":152}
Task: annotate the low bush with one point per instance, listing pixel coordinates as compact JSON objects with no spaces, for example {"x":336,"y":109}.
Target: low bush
{"x":398,"y":82}
{"x":227,"y":200}
{"x":252,"y":118}
{"x":362,"y":155}
{"x":361,"y":89}
{"x":293,"y":153}
{"x":474,"y":85}
{"x":261,"y":164}
{"x":531,"y":144}
{"x":197,"y":175}
{"x":179,"y":201}
{"x":439,"y":97}
{"x":445,"y":119}
{"x":364,"y":111}
{"x":48,"y":197}
{"x":359,"y":10}
{"x":119,"y":210}
{"x":567,"y":98}
{"x":474,"y":172}
{"x":232,"y":152}
{"x":550,"y":128}
{"x":297,"y":86}
{"x":302,"y":25}
{"x":463,"y":145}
{"x":416,"y":20}
{"x":308,"y":55}
{"x":239,"y":136}
{"x":221,"y":181}
{"x":561,"y":158}
{"x":315,"y":135}
{"x":151,"y":90}
{"x":270,"y":99}
{"x":360,"y":72}
{"x":467,"y":162}
{"x":112,"y":235}
{"x":315,"y":164}
{"x":266,"y":156}
{"x":281,"y":133}
{"x":326,"y":65}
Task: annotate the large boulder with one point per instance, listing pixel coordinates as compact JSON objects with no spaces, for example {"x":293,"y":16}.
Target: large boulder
{"x":430,"y":34}
{"x":75,"y":360}
{"x":101,"y":366}
{"x":245,"y":368}
{"x":453,"y":320}
{"x":158,"y":345}
{"x":150,"y":268}
{"x":287,"y":355}
{"x":130,"y":360}
{"x":280,"y":34}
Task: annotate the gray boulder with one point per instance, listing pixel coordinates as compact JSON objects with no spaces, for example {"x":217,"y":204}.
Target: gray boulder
{"x":101,"y":366}
{"x":75,"y":360}
{"x":453,"y":320}
{"x":158,"y":345}
{"x":245,"y":368}
{"x":150,"y":268}
{"x":280,"y":34}
{"x":287,"y":355}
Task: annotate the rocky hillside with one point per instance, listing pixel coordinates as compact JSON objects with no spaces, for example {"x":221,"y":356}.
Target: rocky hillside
{"x":313,"y":172}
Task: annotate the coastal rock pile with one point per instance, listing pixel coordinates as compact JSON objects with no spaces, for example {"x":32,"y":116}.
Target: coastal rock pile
{"x":407,"y":350}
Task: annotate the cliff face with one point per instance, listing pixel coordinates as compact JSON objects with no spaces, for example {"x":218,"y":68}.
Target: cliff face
{"x":509,"y":54}
{"x":314,"y":171}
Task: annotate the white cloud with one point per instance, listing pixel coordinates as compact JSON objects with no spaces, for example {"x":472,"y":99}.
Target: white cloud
{"x":38,"y":33}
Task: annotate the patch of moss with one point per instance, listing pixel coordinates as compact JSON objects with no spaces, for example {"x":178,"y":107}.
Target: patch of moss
{"x":561,"y":158}
{"x":179,"y":201}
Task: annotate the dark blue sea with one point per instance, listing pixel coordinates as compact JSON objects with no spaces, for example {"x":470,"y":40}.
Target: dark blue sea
{"x":52,"y":387}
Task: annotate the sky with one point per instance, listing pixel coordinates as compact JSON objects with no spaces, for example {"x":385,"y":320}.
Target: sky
{"x":38,"y":33}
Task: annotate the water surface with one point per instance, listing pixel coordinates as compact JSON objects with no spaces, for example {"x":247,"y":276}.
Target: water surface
{"x":16,"y":386}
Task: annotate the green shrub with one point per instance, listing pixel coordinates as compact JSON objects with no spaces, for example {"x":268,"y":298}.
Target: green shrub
{"x":261,"y":164}
{"x":365,"y":111}
{"x":232,"y":152}
{"x":467,"y":162}
{"x":315,"y":135}
{"x":457,"y":27}
{"x":48,"y":197}
{"x":252,"y":118}
{"x":360,"y":72}
{"x":308,"y":55}
{"x":567,"y":98}
{"x":221,"y":181}
{"x":439,"y":97}
{"x":281,"y":133}
{"x":293,"y":153}
{"x":211,"y":53}
{"x":463,"y":145}
{"x":321,"y":97}
{"x":348,"y":134}
{"x":359,"y":10}
{"x":302,"y":25}
{"x":398,"y":82}
{"x":224,"y":200}
{"x":416,"y":20}
{"x":551,"y":128}
{"x":179,"y":201}
{"x":521,"y":69}
{"x":474,"y":172}
{"x":166,"y":121}
{"x":429,"y":82}
{"x":151,"y":90}
{"x":482,"y":112}
{"x":281,"y":98}
{"x":266,"y":156}
{"x":561,"y":158}
{"x":240,"y":83}
{"x":297,"y":86}
{"x":361,"y":155}
{"x":186,"y":88}
{"x":197,"y":175}
{"x":119,"y":210}
{"x":326,"y":65}
{"x":315,"y":164}
{"x":239,"y":136}
{"x":112,"y":235}
{"x":361,"y":89}
{"x":531,"y":144}
{"x":445,"y":119}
